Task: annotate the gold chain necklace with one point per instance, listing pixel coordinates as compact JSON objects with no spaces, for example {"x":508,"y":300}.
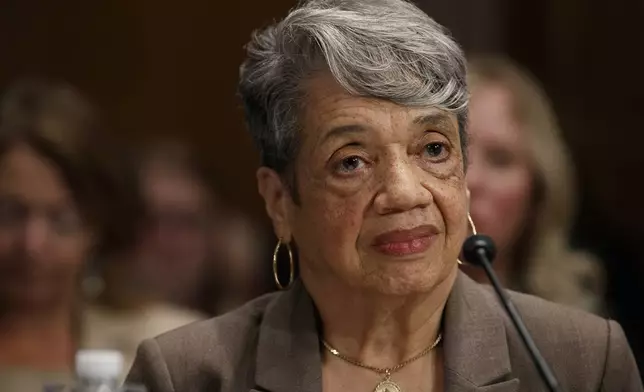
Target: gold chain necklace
{"x":386,"y":385}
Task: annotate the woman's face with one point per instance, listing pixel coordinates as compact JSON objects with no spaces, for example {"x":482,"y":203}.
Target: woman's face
{"x":173,"y":252}
{"x":43,"y":241}
{"x":382,"y":193}
{"x":499,"y":176}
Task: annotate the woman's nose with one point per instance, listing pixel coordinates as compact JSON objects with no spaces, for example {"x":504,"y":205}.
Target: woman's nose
{"x":35,"y":236}
{"x":402,"y":188}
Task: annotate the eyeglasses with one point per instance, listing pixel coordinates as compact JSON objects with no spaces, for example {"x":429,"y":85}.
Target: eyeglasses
{"x":62,"y":221}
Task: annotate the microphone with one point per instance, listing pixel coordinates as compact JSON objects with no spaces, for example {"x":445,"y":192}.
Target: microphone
{"x":479,"y":250}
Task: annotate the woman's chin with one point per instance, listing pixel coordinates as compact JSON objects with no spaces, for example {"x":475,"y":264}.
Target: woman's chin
{"x":409,"y":278}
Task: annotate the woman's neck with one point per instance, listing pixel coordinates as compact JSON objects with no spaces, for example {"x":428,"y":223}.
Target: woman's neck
{"x":383,"y":330}
{"x":37,"y":341}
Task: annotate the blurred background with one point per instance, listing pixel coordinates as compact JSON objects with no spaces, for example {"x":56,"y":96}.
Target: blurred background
{"x":163,"y":77}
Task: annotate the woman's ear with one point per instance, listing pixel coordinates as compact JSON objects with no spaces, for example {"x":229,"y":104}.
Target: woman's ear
{"x":276,"y":199}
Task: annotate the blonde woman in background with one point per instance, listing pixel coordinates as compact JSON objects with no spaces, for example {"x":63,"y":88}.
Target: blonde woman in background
{"x":522,"y":187}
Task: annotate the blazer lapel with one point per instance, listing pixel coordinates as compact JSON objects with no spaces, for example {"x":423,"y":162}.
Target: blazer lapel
{"x":475,"y":342}
{"x":288,"y":350}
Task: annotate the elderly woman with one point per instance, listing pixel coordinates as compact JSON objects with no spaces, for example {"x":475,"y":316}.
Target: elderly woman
{"x":359,"y":108}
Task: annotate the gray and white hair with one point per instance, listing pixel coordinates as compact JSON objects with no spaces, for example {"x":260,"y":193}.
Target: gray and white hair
{"x":385,"y":49}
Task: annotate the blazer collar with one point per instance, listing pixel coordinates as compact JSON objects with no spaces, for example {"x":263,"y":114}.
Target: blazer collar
{"x":288,"y":352}
{"x":474,"y":343}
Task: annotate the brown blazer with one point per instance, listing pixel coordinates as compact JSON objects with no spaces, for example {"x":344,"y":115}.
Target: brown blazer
{"x":271,"y":344}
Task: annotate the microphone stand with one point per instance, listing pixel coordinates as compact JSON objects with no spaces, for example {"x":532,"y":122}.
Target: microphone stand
{"x":480,"y":250}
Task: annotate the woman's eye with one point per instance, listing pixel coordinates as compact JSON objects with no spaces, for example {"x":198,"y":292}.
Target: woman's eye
{"x":65,"y":222}
{"x":11,"y":212}
{"x":350,"y":164}
{"x":436,"y":150}
{"x":500,"y":158}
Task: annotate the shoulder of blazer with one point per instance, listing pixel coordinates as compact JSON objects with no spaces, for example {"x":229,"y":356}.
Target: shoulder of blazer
{"x":574,"y":342}
{"x":219,"y":344}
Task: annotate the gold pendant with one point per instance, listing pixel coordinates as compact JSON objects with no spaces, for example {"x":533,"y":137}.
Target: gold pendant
{"x":387,"y":386}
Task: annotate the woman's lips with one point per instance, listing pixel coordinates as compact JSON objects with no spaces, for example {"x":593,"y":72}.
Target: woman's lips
{"x":405,"y":242}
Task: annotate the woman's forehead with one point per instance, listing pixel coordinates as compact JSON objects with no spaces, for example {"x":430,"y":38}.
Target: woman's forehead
{"x":328,"y":110}
{"x":491,"y":117}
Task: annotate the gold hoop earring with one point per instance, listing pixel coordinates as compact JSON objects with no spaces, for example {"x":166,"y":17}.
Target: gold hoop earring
{"x":291,"y":265}
{"x":471,"y":221}
{"x":474,"y":232}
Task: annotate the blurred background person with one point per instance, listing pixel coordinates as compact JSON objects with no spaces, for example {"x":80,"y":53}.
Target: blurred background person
{"x":523,"y":187}
{"x":182,"y":206}
{"x":62,"y":200}
{"x":197,"y":250}
{"x":155,"y":286}
{"x":194,"y":256}
{"x":242,"y":250}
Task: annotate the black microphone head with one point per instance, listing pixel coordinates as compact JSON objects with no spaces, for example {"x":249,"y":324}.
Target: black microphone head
{"x":473,"y":244}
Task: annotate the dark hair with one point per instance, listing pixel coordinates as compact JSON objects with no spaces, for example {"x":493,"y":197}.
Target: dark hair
{"x":178,"y":155}
{"x":54,"y":120}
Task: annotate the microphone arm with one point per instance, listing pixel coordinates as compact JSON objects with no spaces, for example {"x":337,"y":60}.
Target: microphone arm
{"x":479,"y":250}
